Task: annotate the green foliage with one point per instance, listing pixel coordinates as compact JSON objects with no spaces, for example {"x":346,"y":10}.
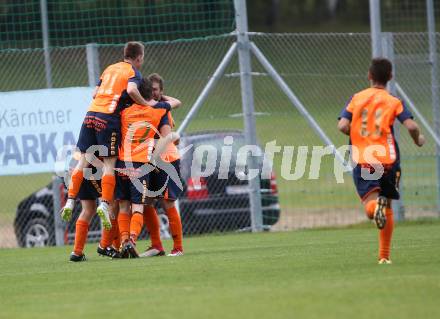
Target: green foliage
{"x":112,"y":21}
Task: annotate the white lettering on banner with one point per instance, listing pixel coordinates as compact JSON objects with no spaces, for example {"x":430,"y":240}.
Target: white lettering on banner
{"x":32,"y":149}
{"x":13,"y":118}
{"x":35,"y":124}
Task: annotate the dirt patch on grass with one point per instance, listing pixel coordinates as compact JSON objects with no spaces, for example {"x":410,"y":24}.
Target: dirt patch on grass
{"x":7,"y":234}
{"x":315,"y":218}
{"x":312,"y":218}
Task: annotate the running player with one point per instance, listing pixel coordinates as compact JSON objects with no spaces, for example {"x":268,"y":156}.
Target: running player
{"x":139,"y":124}
{"x":101,"y":127}
{"x":171,"y":191}
{"x":368,"y":119}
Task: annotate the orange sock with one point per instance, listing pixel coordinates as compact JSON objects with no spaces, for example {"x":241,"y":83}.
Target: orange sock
{"x":107,"y":236}
{"x":75,"y":183}
{"x":115,"y":232}
{"x":137,"y":220}
{"x":117,"y":241}
{"x":385,"y":235}
{"x":81,"y":231}
{"x":124,"y":226}
{"x":108,"y":183}
{"x":175,"y":227}
{"x":152,"y":222}
{"x":370,"y":207}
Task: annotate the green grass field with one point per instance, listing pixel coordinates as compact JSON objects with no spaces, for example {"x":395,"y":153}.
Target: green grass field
{"x":303,"y":274}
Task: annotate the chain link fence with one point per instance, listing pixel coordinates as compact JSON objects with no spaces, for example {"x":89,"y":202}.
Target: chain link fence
{"x":323,"y":70}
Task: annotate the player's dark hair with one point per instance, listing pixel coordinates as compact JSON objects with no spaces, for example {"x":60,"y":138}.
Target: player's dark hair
{"x":154,"y":77}
{"x":146,"y":88}
{"x":133,"y":49}
{"x":380,"y":70}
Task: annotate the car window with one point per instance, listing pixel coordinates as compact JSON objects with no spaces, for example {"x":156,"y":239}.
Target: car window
{"x":218,"y":142}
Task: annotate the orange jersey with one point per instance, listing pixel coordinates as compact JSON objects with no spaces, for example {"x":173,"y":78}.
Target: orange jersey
{"x":171,"y":153}
{"x":113,"y":87}
{"x":139,"y":125}
{"x":372,"y":113}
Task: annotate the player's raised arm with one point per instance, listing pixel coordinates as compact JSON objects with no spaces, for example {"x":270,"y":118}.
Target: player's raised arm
{"x":133,"y":91}
{"x":175,"y":103}
{"x":414,"y":132}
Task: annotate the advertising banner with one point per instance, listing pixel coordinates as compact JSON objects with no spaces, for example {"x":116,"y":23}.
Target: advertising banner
{"x":36,"y":124}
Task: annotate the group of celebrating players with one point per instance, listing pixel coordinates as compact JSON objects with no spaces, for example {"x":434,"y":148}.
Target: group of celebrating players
{"x":123,"y":99}
{"x":127,"y":116}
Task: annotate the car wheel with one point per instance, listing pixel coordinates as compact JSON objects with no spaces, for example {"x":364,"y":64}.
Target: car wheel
{"x":37,"y":234}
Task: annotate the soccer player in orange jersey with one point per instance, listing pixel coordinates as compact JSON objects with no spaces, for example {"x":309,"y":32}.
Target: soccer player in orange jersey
{"x":171,"y":191}
{"x":101,"y":127}
{"x":139,"y":126}
{"x":368,"y":119}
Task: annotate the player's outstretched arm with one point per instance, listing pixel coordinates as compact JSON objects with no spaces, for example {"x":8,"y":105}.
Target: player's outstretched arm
{"x":414,"y":131}
{"x":175,"y":103}
{"x":344,"y":126}
{"x":133,"y":91}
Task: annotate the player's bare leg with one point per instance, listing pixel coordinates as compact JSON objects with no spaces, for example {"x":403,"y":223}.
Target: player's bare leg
{"x":108,"y":183}
{"x":81,"y":230}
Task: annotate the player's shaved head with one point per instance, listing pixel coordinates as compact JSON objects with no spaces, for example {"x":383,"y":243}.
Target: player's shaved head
{"x":381,"y":71}
{"x":145,"y":88}
{"x":133,"y":50}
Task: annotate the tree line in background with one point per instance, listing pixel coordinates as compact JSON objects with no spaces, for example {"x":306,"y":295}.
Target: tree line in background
{"x":291,"y":15}
{"x":76,"y":22}
{"x":336,"y":15}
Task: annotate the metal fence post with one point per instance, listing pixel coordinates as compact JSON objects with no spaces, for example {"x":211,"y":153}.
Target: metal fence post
{"x":45,"y":31}
{"x":376,"y":28}
{"x":433,"y":59}
{"x":58,"y":223}
{"x":388,"y":52}
{"x":296,"y":102}
{"x":247,"y":96}
{"x":208,"y":88}
{"x":93,"y":63}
